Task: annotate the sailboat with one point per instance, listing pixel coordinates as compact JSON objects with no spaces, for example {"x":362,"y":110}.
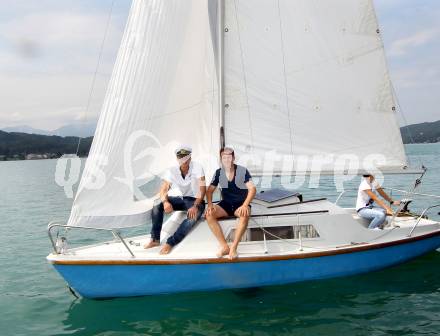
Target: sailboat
{"x":296,"y":87}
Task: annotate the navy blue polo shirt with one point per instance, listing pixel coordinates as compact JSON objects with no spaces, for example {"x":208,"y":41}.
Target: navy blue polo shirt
{"x":234,"y":191}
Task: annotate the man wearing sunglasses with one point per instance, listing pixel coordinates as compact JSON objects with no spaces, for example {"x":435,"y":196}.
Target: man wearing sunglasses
{"x":183,"y":189}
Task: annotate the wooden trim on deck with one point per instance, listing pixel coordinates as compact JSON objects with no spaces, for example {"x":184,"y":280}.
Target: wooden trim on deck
{"x":343,"y":250}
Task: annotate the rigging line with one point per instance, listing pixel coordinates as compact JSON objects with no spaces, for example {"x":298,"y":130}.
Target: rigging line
{"x":411,"y":138}
{"x":92,"y":89}
{"x":220,"y":33}
{"x":387,"y":67}
{"x":419,"y":180}
{"x":214,"y":79}
{"x":285,"y":78}
{"x":244,"y":73}
{"x":212,"y":112}
{"x":183,"y":109}
{"x":412,"y":193}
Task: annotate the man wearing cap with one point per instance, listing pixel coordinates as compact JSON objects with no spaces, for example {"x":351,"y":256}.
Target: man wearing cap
{"x":183,"y":188}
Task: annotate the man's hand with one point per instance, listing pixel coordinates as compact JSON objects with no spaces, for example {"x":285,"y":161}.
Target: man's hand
{"x":210,"y":210}
{"x":396,"y":203}
{"x":243,"y":211}
{"x":192,"y":212}
{"x":167,"y":207}
{"x":390,"y":212}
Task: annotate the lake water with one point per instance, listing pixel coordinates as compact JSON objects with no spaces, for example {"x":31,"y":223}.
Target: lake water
{"x":34,"y":300}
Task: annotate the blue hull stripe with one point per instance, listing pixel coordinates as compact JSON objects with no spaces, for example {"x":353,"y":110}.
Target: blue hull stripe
{"x":105,"y":281}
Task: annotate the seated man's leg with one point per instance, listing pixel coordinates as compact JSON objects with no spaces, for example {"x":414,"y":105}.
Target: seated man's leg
{"x":377,"y":216}
{"x":241,"y":228}
{"x":217,"y":230}
{"x":381,"y":216}
{"x":185,"y":226}
{"x":157,"y":219}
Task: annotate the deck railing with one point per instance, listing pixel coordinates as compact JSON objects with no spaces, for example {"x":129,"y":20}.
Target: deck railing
{"x":55,"y":224}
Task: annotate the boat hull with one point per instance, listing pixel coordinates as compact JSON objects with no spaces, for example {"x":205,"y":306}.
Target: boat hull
{"x":96,"y":280}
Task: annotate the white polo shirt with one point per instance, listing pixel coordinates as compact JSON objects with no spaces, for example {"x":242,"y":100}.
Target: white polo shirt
{"x":188,"y":186}
{"x":362,"y":198}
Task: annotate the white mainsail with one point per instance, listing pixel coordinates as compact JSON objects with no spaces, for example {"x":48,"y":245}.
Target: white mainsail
{"x":163,"y":91}
{"x":300,"y":80}
{"x":307,"y":80}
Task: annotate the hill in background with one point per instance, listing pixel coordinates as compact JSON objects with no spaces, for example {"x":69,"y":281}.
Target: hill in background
{"x":19,"y":146}
{"x":428,"y":132}
{"x":77,"y":129}
{"x":22,"y":145}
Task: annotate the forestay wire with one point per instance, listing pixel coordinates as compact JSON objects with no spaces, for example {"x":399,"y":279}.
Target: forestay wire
{"x":399,"y":106}
{"x":101,"y":51}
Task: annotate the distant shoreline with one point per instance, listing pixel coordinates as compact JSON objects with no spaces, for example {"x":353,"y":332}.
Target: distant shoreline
{"x":428,"y":132}
{"x":40,"y":159}
{"x":15,"y":146}
{"x":22,"y":146}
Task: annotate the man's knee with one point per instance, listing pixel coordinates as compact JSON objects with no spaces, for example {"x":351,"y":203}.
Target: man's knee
{"x":186,"y":226}
{"x":245,"y":217}
{"x":158,"y":207}
{"x":383,"y":214}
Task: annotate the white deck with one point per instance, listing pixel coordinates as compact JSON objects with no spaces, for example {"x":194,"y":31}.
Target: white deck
{"x":337,"y":228}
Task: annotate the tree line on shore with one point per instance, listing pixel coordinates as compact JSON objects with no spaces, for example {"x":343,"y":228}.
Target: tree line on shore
{"x":22,"y":146}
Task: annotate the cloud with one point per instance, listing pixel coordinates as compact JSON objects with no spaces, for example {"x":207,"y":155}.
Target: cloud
{"x":403,"y":46}
{"x":57,"y":41}
{"x":48,"y":102}
{"x":49,"y":50}
{"x":412,"y":43}
{"x":48,"y":58}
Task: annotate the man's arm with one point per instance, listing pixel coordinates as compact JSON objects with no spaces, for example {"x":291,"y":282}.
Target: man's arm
{"x":202,"y":191}
{"x":209,"y":194}
{"x":192,"y":212}
{"x":251,"y":193}
{"x":244,"y":209}
{"x":163,"y":192}
{"x":379,"y":202}
{"x":387,"y":197}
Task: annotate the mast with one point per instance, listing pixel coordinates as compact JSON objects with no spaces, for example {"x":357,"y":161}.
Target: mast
{"x":221,"y":20}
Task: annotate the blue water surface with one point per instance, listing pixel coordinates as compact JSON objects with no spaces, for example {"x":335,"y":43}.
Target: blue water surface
{"x":34,"y":300}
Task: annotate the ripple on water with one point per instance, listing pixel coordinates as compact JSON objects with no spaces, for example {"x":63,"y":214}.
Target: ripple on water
{"x":403,"y":300}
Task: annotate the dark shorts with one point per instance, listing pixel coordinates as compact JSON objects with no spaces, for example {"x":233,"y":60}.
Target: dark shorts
{"x":229,"y":207}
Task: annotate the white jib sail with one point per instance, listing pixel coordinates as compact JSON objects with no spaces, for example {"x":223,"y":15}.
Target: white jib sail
{"x":307,"y":87}
{"x":163,"y":91}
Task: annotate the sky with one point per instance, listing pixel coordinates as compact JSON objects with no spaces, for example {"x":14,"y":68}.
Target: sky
{"x":49,"y":51}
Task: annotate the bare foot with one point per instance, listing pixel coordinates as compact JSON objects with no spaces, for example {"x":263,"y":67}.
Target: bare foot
{"x":233,"y":254}
{"x":151,"y":244}
{"x":223,"y":251}
{"x":166,"y":249}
